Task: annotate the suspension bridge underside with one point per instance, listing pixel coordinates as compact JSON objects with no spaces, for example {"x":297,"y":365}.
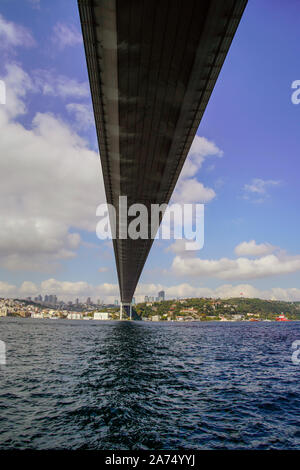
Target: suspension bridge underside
{"x":152,"y":66}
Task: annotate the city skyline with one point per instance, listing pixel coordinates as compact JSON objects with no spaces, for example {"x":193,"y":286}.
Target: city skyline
{"x":52,"y":299}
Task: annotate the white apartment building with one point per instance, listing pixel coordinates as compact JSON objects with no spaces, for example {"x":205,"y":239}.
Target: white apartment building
{"x":101,"y":316}
{"x":3,"y":311}
{"x":74,"y":316}
{"x":37,"y":315}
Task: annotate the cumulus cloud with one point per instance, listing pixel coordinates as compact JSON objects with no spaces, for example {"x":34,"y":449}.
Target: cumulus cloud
{"x":29,"y":244}
{"x":251,"y":248}
{"x":268,"y":263}
{"x":18,"y":85}
{"x":51,"y":184}
{"x":53,"y":286}
{"x":188,"y":188}
{"x":12,"y":35}
{"x":7,"y":290}
{"x":240,"y":268}
{"x":66,"y":290}
{"x":66,"y":35}
{"x":28,"y":288}
{"x":179,"y":248}
{"x":201,"y":149}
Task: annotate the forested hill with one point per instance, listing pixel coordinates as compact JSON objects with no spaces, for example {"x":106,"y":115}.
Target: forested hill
{"x":216,"y":309}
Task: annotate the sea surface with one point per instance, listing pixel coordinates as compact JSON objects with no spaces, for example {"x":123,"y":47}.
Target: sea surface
{"x":141,"y":385}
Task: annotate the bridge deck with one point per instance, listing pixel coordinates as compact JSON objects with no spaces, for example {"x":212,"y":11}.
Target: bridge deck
{"x":152,"y":66}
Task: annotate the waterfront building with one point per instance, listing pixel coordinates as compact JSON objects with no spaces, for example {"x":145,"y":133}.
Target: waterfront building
{"x":101,"y":316}
{"x":155,"y":318}
{"x":3,"y":312}
{"x":37,"y":315}
{"x":74,"y":316}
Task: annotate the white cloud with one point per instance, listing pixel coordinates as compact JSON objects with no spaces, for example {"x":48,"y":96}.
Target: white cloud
{"x":49,"y":83}
{"x":66,"y":35}
{"x":251,"y":248}
{"x":6,"y":289}
{"x":53,"y":286}
{"x":66,"y":290}
{"x":28,"y":288}
{"x":179,"y":248}
{"x":257,"y":190}
{"x":18,"y":85}
{"x":83,"y":114}
{"x":260,"y":186}
{"x":201,"y":148}
{"x":12,"y":35}
{"x":188,"y":189}
{"x":240,"y":268}
{"x":191,"y":190}
{"x":51,"y":184}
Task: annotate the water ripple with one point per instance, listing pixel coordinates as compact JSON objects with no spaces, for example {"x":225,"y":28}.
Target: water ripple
{"x":121,"y":385}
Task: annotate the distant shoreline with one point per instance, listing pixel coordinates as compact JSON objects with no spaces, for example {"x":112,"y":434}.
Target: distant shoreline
{"x":143,"y":321}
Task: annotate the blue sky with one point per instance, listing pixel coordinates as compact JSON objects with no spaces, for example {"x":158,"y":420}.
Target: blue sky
{"x":247,"y":154}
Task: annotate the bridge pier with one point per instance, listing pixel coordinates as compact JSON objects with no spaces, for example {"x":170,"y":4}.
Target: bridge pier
{"x":121,"y":310}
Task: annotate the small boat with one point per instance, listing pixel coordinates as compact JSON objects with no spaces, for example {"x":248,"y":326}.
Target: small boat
{"x":281,"y":317}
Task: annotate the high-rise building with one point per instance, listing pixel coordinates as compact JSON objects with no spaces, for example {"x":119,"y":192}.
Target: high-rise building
{"x":161,"y":295}
{"x":51,"y":299}
{"x":77,"y":302}
{"x":146,"y":298}
{"x":133,"y":301}
{"x":116,"y":302}
{"x":88,"y":301}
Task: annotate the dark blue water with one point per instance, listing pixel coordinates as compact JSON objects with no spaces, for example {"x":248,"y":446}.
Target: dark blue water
{"x":121,"y":385}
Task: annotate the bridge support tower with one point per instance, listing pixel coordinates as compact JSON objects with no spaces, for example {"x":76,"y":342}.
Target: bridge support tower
{"x":122,"y":304}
